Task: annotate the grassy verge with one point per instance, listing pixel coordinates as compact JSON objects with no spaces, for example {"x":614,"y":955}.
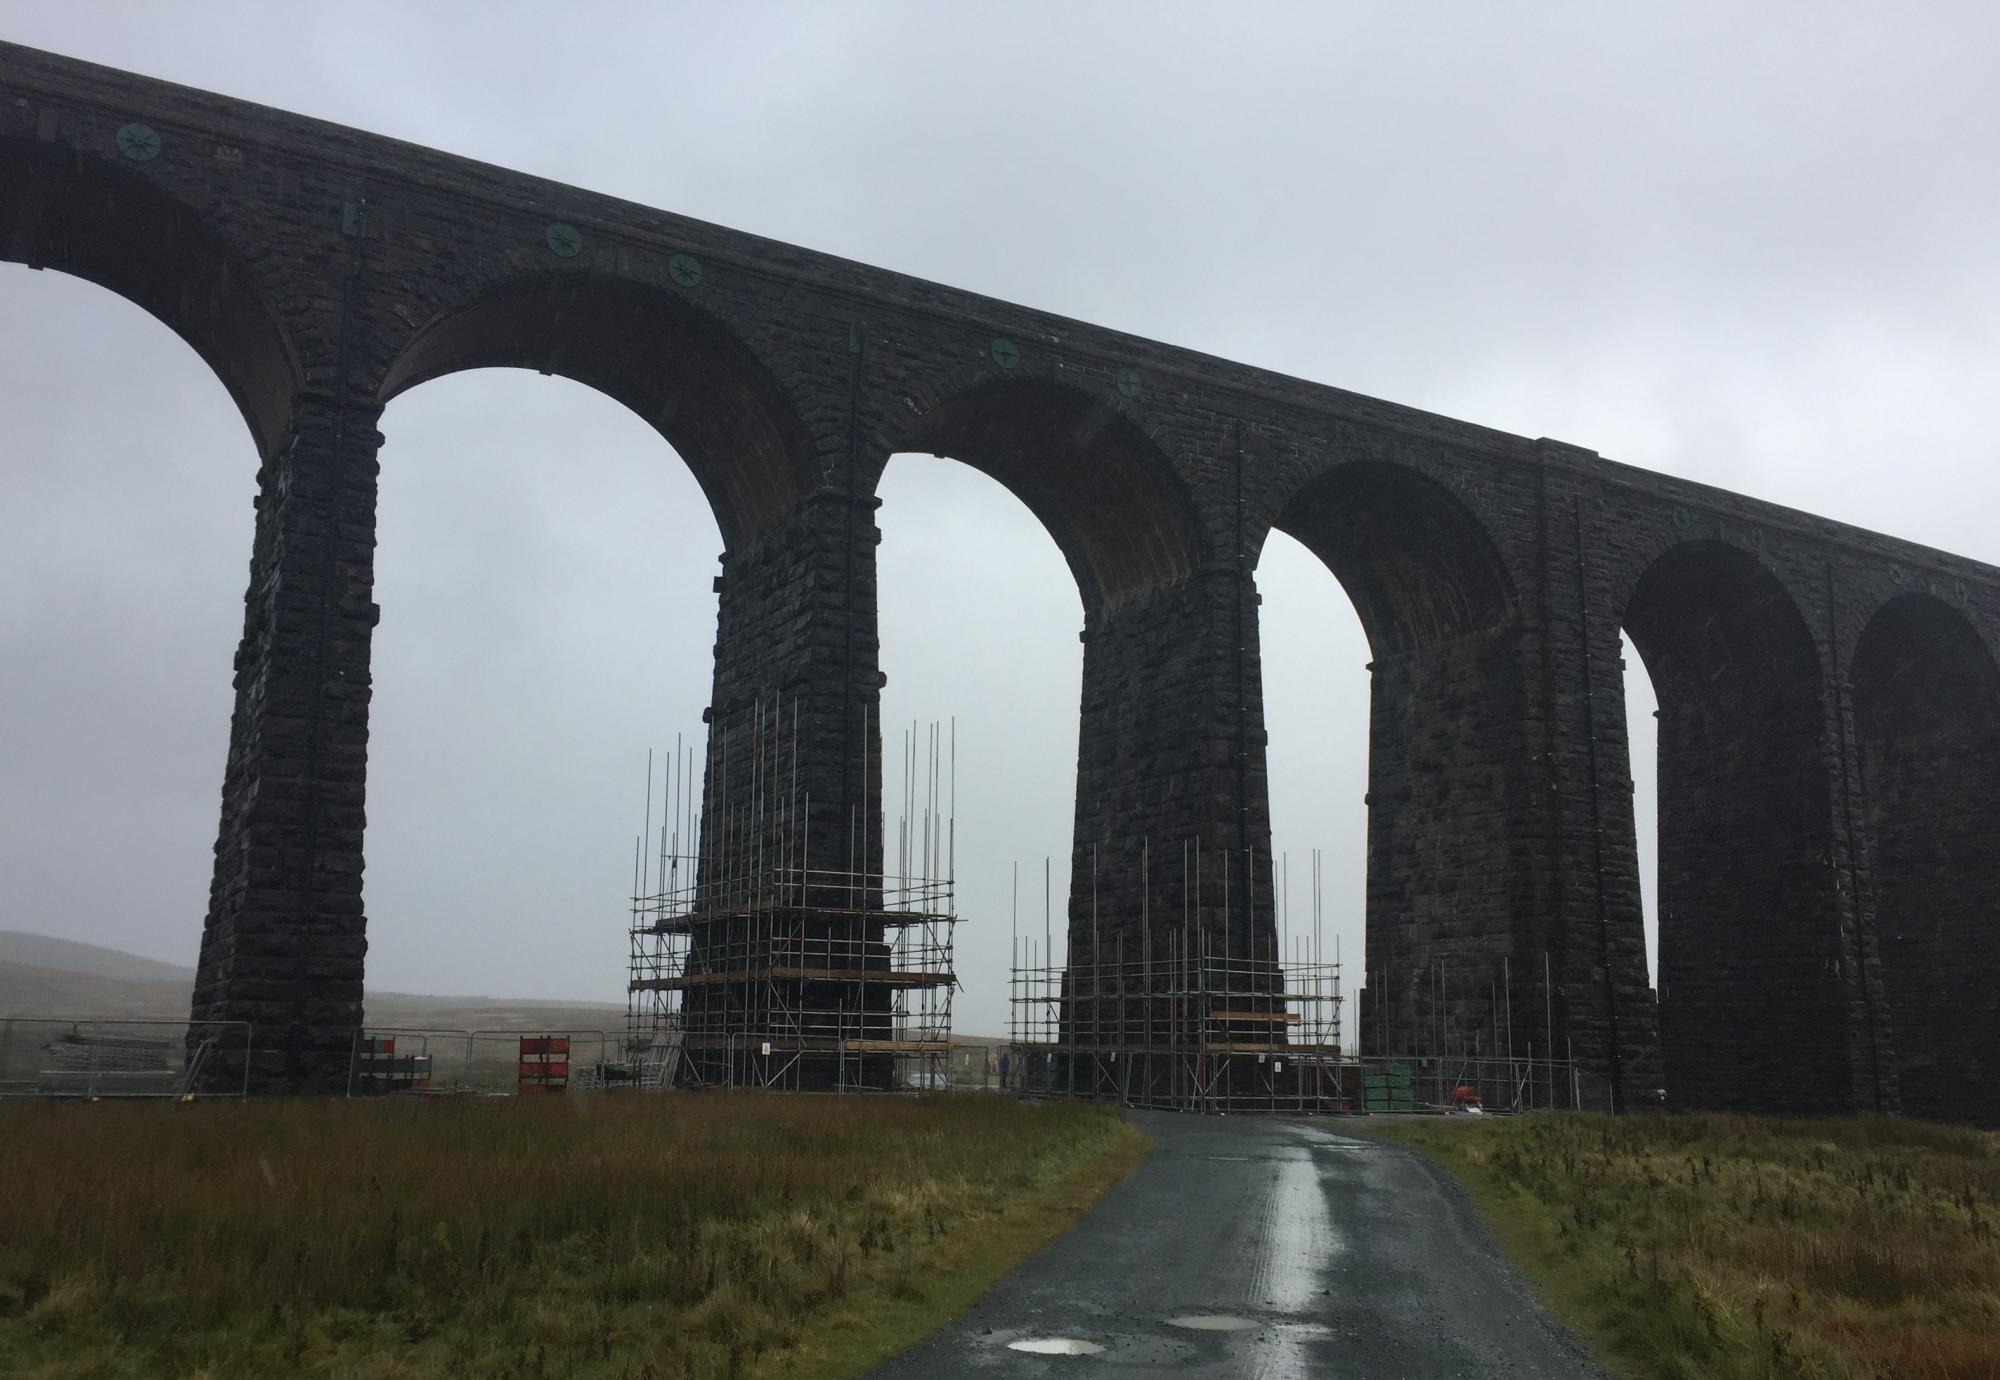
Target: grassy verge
{"x":1732,"y":1246}
{"x":636,"y":1238}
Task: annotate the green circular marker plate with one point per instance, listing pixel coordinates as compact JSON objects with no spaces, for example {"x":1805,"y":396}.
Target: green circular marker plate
{"x":1006,"y":353}
{"x":139,"y":143}
{"x":1128,"y":382}
{"x":685,"y":269}
{"x":1683,"y":519}
{"x":565,"y":240}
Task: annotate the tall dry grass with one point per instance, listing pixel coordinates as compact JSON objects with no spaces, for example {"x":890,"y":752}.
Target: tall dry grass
{"x":656,"y":1237}
{"x":1736,"y":1246}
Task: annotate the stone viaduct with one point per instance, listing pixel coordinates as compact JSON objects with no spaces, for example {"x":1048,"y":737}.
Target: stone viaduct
{"x":1830,"y":703}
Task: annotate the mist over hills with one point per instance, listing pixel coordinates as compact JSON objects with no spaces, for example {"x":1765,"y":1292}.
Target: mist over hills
{"x":41,"y":975}
{"x":73,"y":956}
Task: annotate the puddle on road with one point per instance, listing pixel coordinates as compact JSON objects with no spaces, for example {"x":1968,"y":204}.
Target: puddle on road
{"x":1212,"y":1322}
{"x":1055,"y":1346}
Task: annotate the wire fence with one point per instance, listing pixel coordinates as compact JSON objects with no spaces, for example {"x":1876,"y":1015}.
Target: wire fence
{"x":103,"y":1057}
{"x":1297,"y":1079}
{"x":111,"y":1057}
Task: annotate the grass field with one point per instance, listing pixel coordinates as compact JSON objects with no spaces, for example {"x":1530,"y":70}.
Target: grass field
{"x":1730,"y":1246}
{"x":645,"y":1238}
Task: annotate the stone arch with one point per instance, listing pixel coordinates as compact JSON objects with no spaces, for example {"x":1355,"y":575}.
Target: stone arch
{"x":1095,"y":480}
{"x":1418,"y":563}
{"x":1148,"y":734}
{"x":679,"y":368}
{"x":1927,"y":723}
{"x":1447,"y":760}
{"x":1750,"y":996}
{"x":64,"y":209}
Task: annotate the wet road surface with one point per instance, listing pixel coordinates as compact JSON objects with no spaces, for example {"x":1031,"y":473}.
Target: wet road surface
{"x":1246,"y":1247}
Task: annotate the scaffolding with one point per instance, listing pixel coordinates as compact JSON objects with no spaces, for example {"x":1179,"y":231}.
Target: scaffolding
{"x":1218,"y":1017}
{"x":1180,"y":1016}
{"x":1188,"y":1030}
{"x":753,"y":966}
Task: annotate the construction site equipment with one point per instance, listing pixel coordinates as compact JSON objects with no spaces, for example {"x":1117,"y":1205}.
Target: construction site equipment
{"x":785,"y":992}
{"x":1193,"y":1033}
{"x":1223,"y":1016}
{"x":436,"y":1062}
{"x":379,"y":1069}
{"x":96,"y":1057}
{"x":1389,"y":1088}
{"x":754,"y":964}
{"x":1178,"y":1016}
{"x":544,"y":1064}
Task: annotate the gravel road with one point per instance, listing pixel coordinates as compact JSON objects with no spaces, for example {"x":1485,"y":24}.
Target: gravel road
{"x":1262,"y":1248}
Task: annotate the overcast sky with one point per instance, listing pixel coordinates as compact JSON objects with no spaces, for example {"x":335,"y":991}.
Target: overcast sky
{"x":1750,"y":245}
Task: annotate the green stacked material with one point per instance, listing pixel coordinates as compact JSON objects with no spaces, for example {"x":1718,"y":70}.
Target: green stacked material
{"x":1391,"y":1088}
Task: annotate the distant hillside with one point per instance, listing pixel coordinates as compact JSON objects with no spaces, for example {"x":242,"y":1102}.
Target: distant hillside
{"x":26,"y":990}
{"x":69,"y":956}
{"x":44,"y":976}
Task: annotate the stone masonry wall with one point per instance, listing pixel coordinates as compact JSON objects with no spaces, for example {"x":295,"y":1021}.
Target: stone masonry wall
{"x":1171,"y":764}
{"x":286,"y":934}
{"x":1927,"y":719}
{"x":321,"y":270}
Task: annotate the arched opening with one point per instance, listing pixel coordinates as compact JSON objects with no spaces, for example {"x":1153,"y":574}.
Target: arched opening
{"x":125,"y":528}
{"x":63,"y":209}
{"x":629,"y":616}
{"x":545,"y":573}
{"x":1642,"y":743}
{"x":172,"y":578}
{"x":978,"y":620}
{"x":1116,"y":511}
{"x":1444,"y":898}
{"x":1927,"y":717}
{"x":1314,"y":655}
{"x":1416,"y":562}
{"x":1748,"y":975}
{"x":1093,"y":479}
{"x":675,"y":367}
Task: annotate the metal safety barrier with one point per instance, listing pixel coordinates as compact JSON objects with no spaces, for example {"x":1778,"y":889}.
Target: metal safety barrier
{"x":101,"y":1057}
{"x":431,"y":1061}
